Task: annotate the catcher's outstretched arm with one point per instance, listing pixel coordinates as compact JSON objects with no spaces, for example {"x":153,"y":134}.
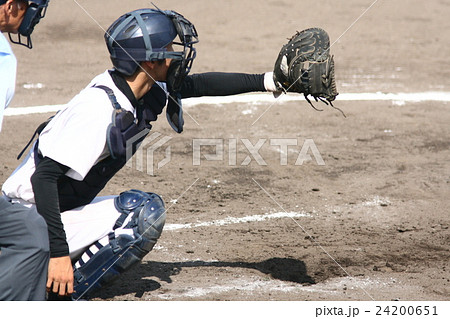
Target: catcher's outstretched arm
{"x":221,"y":84}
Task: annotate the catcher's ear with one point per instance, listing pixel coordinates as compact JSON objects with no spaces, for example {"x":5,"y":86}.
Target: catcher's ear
{"x":148,"y":64}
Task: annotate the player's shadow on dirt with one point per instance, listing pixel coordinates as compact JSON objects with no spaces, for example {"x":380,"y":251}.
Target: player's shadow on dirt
{"x":136,"y":280}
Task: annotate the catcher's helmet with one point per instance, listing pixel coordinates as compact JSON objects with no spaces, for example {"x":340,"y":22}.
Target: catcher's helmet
{"x":35,"y":12}
{"x":143,"y":35}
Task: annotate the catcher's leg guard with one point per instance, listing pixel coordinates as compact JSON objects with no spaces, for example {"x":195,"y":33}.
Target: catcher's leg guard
{"x":144,"y":215}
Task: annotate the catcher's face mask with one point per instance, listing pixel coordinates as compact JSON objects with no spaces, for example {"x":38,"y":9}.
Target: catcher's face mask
{"x":179,"y":68}
{"x":187,"y":35}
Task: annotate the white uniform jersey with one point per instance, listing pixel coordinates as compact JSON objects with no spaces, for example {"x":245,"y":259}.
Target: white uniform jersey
{"x":8,"y":66}
{"x":75,"y":137}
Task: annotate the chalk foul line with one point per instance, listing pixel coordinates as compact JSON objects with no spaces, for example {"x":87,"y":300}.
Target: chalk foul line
{"x":261,"y":98}
{"x":236,"y":220}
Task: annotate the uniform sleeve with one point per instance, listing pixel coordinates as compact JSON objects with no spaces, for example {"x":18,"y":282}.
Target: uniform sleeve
{"x":221,"y":84}
{"x":45,"y":188}
{"x":8,"y":65}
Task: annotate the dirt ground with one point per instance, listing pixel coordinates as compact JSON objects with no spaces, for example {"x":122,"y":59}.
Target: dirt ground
{"x":372,"y":223}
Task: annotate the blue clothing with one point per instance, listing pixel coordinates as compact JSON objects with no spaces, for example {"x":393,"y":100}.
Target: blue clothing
{"x":24,"y":252}
{"x":8,"y":66}
{"x":24,"y":244}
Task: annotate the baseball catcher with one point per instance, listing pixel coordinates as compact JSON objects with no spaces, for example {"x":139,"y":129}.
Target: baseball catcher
{"x":304,"y":65}
{"x":94,"y":239}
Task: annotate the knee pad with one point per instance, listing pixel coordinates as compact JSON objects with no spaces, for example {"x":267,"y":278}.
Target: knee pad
{"x":106,"y":259}
{"x":148,"y":216}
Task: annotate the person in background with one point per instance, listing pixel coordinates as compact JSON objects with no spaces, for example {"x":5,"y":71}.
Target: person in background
{"x":24,"y":247}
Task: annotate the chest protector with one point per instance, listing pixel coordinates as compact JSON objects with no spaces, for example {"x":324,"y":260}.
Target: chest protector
{"x":123,"y":137}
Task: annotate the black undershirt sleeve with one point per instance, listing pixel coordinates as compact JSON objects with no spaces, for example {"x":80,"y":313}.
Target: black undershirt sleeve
{"x":45,"y":187}
{"x":221,"y":84}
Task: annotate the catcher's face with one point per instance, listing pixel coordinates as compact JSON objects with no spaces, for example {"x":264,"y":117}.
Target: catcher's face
{"x":167,"y":62}
{"x":160,"y":67}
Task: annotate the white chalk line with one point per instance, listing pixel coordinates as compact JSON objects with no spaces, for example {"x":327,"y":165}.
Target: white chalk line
{"x":236,"y":220}
{"x":256,"y":285}
{"x":261,"y":98}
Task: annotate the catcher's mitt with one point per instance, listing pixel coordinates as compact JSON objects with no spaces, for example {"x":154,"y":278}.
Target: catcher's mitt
{"x":304,"y":65}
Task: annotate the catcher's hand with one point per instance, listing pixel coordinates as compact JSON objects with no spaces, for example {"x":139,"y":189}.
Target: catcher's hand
{"x":304,"y":65}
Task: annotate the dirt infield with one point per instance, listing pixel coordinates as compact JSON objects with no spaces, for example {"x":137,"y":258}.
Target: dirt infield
{"x":372,"y":223}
